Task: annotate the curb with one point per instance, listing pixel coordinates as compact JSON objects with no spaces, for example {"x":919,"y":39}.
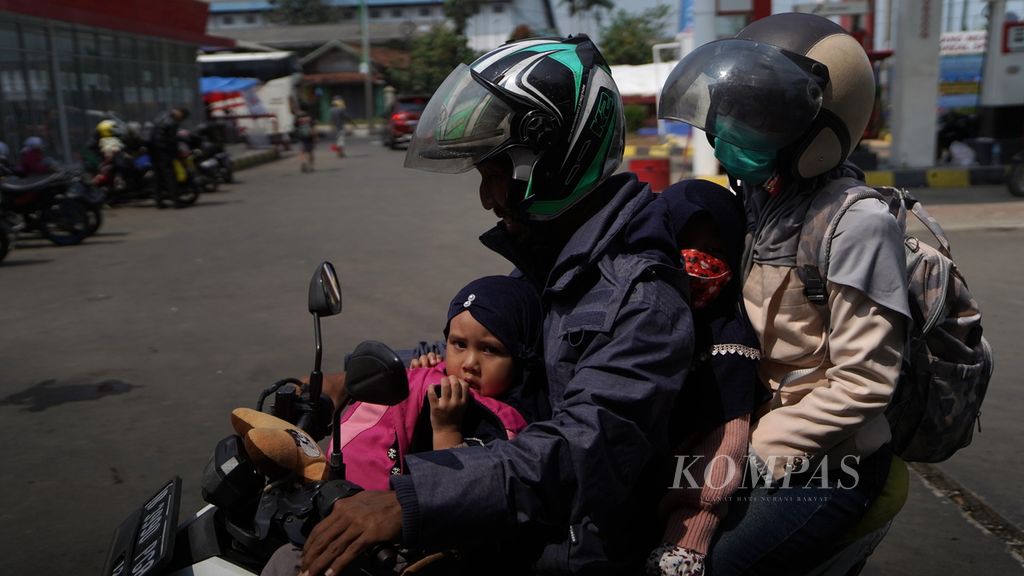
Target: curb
{"x":255,"y":158}
{"x":938,"y":177}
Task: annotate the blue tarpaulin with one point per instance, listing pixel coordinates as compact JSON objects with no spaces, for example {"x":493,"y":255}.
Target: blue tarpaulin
{"x":211,"y":84}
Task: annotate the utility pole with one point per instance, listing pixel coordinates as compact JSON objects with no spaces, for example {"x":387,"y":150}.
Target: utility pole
{"x":364,"y":66}
{"x":914,"y":83}
{"x":704,"y":17}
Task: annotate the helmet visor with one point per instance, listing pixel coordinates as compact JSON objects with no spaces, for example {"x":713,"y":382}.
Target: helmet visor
{"x":462,"y":124}
{"x":749,"y":94}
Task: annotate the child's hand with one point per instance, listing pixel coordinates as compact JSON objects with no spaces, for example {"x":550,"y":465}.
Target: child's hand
{"x":446,"y":411}
{"x":428,"y":360}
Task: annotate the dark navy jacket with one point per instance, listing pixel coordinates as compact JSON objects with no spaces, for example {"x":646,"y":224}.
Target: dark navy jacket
{"x":576,"y":493}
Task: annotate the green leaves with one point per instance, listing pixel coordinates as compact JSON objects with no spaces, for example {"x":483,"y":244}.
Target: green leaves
{"x":432,"y":57}
{"x":628,"y":38}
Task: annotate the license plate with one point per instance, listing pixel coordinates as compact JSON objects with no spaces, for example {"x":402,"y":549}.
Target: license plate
{"x":144,"y":542}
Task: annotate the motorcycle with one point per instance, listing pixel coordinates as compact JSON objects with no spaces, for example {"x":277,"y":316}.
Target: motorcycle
{"x":133,"y":178}
{"x":1015,"y":178}
{"x":190,"y":180}
{"x":253,"y":508}
{"x":90,"y":198}
{"x":41,"y":204}
{"x":214,"y":164}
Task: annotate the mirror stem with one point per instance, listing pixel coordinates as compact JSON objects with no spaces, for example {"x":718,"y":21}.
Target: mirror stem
{"x":316,"y":378}
{"x":319,"y":342}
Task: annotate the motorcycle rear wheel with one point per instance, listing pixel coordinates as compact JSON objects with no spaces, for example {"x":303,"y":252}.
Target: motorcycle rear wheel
{"x":64,"y":222}
{"x":94,"y":213}
{"x":1015,"y":180}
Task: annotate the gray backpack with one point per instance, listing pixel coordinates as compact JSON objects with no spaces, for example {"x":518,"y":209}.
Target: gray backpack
{"x":947,"y":363}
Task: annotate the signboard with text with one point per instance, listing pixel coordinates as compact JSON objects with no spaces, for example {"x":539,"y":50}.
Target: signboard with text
{"x":1013,"y":37}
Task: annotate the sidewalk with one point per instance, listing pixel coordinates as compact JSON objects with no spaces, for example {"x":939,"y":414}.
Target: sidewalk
{"x":680,"y":158}
{"x":243,"y":157}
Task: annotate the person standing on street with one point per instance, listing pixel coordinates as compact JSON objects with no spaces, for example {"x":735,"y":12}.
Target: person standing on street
{"x":305,"y":131}
{"x":340,"y":118}
{"x":163,"y":149}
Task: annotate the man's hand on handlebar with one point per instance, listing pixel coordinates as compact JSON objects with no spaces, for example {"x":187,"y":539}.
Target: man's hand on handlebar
{"x":353,"y":526}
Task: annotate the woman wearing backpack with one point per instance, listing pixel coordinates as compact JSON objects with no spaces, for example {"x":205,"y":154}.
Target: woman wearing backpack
{"x":785,"y":102}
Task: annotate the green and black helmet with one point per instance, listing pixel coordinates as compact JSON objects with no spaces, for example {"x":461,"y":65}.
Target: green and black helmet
{"x":549,"y":104}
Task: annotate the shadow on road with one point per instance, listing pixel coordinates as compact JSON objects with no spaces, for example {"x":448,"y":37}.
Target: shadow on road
{"x":36,"y":243}
{"x":25,"y":262}
{"x":48,"y":394}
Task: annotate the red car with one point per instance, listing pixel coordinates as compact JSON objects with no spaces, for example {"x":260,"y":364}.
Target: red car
{"x":403,"y":116}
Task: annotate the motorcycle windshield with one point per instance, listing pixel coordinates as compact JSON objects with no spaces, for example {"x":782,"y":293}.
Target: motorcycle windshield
{"x":753,"y":95}
{"x":462,"y":124}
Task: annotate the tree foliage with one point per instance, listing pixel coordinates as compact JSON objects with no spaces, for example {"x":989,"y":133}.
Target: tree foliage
{"x":460,"y":11}
{"x":432,"y":56}
{"x":628,"y":37}
{"x":301,"y":11}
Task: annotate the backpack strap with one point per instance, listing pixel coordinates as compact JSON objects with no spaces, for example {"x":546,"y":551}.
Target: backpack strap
{"x":815,"y":246}
{"x":911,"y":204}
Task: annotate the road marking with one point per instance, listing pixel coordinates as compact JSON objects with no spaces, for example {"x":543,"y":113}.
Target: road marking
{"x":977,"y":513}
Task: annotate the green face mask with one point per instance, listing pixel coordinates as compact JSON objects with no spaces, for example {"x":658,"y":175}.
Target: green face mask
{"x":751,"y":166}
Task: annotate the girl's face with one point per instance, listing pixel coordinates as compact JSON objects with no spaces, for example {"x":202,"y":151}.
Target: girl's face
{"x":476,"y":356}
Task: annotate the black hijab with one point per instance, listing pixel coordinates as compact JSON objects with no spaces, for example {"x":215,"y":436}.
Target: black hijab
{"x":722,"y":383}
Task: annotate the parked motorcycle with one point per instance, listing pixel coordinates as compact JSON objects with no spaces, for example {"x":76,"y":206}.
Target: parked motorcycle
{"x":254,"y":508}
{"x":41,"y":204}
{"x":1015,"y":178}
{"x":90,"y":198}
{"x":133,"y":178}
{"x":214,"y":164}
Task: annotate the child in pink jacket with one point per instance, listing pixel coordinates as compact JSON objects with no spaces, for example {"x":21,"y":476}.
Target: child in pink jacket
{"x":492,"y":359}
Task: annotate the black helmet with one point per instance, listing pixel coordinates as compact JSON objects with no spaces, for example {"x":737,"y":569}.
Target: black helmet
{"x":795,"y":84}
{"x":549,"y":104}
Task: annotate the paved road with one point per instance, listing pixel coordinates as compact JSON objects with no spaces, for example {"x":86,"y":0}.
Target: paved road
{"x":120,"y":359}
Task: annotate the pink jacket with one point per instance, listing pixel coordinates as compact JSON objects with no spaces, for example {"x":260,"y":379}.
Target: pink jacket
{"x":375,"y":439}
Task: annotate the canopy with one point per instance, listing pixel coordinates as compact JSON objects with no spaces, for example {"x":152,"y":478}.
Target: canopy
{"x":215,"y":84}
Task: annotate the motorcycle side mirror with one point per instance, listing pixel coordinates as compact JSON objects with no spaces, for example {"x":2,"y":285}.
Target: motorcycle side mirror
{"x":324,"y":300}
{"x":374,"y":374}
{"x":324,"y":291}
